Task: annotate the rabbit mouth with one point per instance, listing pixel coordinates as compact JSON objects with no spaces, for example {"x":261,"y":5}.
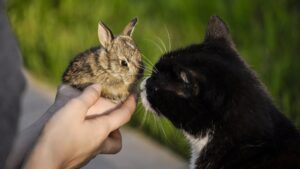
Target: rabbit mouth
{"x":127,"y":81}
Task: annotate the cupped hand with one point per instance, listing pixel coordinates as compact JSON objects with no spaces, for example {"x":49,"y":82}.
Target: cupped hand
{"x":83,"y":127}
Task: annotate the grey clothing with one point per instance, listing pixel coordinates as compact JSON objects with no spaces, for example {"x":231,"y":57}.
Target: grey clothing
{"x":12,"y":84}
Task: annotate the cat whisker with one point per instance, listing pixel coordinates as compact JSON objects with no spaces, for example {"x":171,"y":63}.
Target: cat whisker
{"x":155,"y":43}
{"x":143,"y":78}
{"x":155,"y":121}
{"x":151,"y":69}
{"x":148,"y":61}
{"x":138,"y":109}
{"x":140,"y":105}
{"x":160,"y":123}
{"x":162,"y":128}
{"x":150,"y":64}
{"x":162,"y":43}
{"x":147,"y":73}
{"x":147,"y":67}
{"x":169,"y":37}
{"x":145,"y":117}
{"x":141,"y":110}
{"x":146,"y":112}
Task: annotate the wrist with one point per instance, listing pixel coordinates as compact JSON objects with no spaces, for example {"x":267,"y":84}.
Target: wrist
{"x":43,"y":156}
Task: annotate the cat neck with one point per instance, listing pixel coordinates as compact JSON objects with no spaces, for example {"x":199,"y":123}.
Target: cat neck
{"x":230,"y":145}
{"x":197,"y":145}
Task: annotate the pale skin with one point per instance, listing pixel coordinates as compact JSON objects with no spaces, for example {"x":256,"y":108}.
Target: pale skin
{"x":87,"y":125}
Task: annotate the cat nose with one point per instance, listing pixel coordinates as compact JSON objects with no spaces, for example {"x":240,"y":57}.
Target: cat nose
{"x":151,"y":87}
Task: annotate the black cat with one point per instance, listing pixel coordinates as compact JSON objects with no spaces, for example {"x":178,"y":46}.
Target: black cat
{"x":210,"y":93}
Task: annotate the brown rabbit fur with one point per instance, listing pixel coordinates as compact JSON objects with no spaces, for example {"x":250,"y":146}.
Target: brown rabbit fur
{"x":116,"y":66}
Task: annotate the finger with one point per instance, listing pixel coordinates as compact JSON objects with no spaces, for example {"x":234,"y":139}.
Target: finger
{"x":113,"y":143}
{"x":66,"y":91}
{"x":100,"y":107}
{"x":121,"y":115}
{"x":88,"y":97}
{"x":64,"y":94}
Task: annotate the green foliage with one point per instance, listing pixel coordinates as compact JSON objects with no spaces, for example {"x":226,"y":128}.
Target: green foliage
{"x":266,"y":33}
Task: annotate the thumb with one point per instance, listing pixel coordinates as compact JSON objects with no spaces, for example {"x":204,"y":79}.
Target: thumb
{"x":118,"y":116}
{"x":66,"y":92}
{"x":86,"y":99}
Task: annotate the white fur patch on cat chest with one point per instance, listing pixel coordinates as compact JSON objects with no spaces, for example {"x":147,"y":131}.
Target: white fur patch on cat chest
{"x":197,"y":145}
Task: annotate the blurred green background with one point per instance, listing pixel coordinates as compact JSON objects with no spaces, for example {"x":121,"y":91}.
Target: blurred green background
{"x":266,"y":32}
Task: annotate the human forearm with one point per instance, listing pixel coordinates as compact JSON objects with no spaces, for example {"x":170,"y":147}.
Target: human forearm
{"x":43,"y":157}
{"x":79,"y":131}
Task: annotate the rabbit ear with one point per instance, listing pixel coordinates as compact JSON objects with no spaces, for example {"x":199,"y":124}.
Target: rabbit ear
{"x":104,"y":34}
{"x":128,"y":30}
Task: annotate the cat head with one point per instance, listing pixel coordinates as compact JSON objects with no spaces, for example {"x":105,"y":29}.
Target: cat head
{"x":194,"y":86}
{"x":122,"y":59}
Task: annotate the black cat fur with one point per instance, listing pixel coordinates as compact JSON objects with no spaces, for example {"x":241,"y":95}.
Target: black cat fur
{"x":208,"y":90}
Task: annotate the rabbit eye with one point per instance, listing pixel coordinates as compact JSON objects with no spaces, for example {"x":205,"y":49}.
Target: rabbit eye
{"x":124,"y":63}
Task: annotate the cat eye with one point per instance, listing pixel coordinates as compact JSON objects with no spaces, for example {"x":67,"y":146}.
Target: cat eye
{"x":124,"y":63}
{"x":184,"y":77}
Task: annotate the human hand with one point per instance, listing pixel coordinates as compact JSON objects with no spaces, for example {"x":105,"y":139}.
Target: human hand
{"x":27,"y":138}
{"x":84,"y":127}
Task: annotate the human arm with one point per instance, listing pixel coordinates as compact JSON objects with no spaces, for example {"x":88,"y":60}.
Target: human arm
{"x":77,"y":125}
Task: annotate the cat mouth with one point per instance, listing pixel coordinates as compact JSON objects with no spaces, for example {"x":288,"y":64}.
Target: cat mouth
{"x":143,"y":84}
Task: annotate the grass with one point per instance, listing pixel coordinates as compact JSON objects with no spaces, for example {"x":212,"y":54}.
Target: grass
{"x":266,"y":33}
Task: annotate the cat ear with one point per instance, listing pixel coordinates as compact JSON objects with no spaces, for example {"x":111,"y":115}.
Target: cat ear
{"x":105,"y":35}
{"x":128,"y":30}
{"x":217,"y":30}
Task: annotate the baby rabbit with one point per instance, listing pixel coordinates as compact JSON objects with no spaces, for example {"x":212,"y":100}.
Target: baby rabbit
{"x":116,"y":66}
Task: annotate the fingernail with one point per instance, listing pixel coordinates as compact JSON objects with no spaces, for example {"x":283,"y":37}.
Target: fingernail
{"x":97,"y":87}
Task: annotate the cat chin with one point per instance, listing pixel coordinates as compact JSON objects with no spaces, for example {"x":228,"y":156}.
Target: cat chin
{"x":143,"y":94}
